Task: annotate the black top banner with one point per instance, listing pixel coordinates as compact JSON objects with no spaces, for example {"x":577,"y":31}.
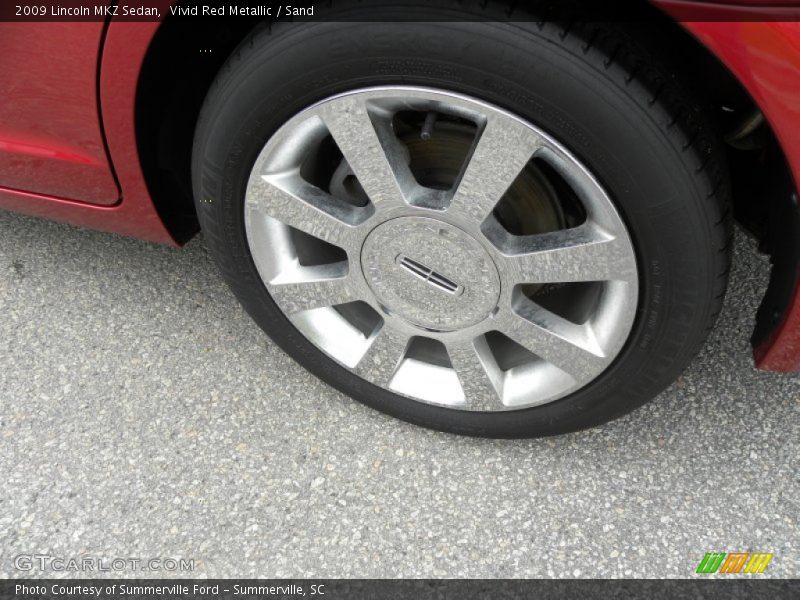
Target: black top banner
{"x":614,"y":10}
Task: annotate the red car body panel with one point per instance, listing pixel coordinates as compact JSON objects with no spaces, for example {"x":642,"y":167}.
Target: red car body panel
{"x":61,"y":171}
{"x":47,"y":190}
{"x":765,"y":57}
{"x":51,"y":140}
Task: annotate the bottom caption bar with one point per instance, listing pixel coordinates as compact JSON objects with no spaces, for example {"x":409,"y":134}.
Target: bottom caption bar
{"x":353,"y":589}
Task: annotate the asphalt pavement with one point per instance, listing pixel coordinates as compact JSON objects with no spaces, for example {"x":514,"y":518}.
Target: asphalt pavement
{"x":144,"y":416}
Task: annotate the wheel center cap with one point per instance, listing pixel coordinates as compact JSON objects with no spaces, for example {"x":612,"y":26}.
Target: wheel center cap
{"x":430,"y":273}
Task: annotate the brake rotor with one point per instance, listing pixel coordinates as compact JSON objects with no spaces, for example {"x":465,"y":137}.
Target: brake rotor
{"x":529,"y":206}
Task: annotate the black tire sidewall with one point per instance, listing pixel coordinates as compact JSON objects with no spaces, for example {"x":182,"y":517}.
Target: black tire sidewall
{"x":609,"y":124}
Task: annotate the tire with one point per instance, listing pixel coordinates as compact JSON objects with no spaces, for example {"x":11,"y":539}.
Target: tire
{"x":611,"y":103}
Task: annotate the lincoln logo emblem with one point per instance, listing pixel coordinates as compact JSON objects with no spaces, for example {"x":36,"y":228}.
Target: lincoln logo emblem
{"x":429,"y":276}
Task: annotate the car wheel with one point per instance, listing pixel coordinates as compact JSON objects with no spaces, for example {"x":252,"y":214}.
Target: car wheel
{"x":495,"y":229}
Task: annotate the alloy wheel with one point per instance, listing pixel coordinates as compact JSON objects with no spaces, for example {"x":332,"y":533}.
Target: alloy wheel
{"x":442,"y":248}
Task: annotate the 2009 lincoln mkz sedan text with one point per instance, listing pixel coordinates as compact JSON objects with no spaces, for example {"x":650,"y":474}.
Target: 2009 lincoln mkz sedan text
{"x":494,"y":219}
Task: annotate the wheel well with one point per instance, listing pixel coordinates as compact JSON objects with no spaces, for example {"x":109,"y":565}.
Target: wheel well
{"x":186,"y":54}
{"x":180,"y":65}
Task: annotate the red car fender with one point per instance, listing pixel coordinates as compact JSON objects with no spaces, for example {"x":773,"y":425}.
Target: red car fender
{"x":765,"y":57}
{"x":134,"y":215}
{"x":123,"y":55}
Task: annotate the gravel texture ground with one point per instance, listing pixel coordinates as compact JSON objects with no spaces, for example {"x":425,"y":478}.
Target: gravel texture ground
{"x":142,"y":414}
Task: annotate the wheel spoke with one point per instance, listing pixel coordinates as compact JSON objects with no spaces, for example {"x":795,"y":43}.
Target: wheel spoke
{"x":570,"y":347}
{"x":504,"y":148}
{"x":292,"y":201}
{"x":316,"y":292}
{"x":383,"y":356}
{"x":581,"y":254}
{"x":352,"y":129}
{"x":478,"y":373}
